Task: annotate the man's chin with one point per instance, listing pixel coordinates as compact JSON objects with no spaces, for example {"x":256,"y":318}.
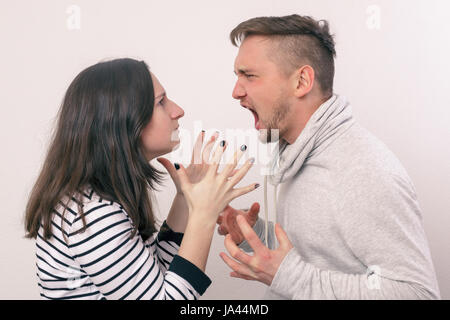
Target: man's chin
{"x":269,"y":135}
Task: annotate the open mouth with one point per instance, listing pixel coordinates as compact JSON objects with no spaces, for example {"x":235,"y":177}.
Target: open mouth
{"x":255,"y":115}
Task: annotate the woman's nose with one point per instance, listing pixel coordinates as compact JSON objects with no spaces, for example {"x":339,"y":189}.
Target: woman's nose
{"x":178,"y":112}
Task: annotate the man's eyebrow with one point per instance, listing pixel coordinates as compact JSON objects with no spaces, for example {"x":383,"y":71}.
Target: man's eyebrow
{"x":242,"y":71}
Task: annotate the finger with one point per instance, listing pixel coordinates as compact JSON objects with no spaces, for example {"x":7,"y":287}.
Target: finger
{"x":230,"y":226}
{"x":197,"y":152}
{"x":217,"y":155}
{"x":182,"y":176}
{"x":232,"y":174}
{"x":207,"y":150}
{"x":235,"y":193}
{"x":282,"y":237}
{"x":168,"y":165}
{"x":171,"y":170}
{"x":236,"y":157}
{"x":222,"y":230}
{"x":235,"y":274}
{"x":252,"y":214}
{"x":241,"y":172}
{"x":250,"y":235}
{"x":235,"y":252}
{"x":237,"y":267}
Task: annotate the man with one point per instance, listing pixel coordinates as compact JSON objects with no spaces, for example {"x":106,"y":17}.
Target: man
{"x":349,"y":223}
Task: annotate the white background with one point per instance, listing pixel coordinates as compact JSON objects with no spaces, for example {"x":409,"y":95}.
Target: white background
{"x":395,"y":76}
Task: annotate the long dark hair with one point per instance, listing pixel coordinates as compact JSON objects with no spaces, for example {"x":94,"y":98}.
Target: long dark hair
{"x":97,"y":143}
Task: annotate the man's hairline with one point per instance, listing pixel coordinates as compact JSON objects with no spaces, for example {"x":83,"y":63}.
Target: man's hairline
{"x":273,"y":40}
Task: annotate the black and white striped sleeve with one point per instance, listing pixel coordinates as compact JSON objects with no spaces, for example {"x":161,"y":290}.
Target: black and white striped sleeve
{"x":129,"y":268}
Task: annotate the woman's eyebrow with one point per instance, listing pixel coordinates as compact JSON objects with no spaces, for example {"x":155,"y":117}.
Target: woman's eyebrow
{"x":163,"y":94}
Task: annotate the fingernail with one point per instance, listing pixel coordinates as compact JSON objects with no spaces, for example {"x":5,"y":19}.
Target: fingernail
{"x":251,"y":160}
{"x":256,"y":185}
{"x":243,"y":147}
{"x":222,"y":143}
{"x":203,"y":131}
{"x":177,"y":166}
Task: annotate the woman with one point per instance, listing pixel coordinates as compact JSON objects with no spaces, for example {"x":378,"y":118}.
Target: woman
{"x":90,"y":210}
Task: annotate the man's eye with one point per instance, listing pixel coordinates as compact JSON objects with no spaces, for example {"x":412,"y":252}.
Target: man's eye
{"x":249,"y":75}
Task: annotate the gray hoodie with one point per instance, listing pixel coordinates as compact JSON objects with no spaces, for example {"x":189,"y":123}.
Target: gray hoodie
{"x":351,"y":211}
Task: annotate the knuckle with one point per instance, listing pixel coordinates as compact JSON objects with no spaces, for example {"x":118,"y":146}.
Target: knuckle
{"x":235,"y":254}
{"x":256,"y":267}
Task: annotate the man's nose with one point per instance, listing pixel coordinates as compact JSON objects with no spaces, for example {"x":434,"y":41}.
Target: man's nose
{"x":238,"y":91}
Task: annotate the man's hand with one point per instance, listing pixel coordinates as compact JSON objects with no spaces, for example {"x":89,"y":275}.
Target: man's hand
{"x":263,"y":265}
{"x":228,"y":225}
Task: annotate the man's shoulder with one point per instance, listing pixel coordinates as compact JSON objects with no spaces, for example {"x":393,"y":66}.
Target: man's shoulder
{"x":359,"y":152}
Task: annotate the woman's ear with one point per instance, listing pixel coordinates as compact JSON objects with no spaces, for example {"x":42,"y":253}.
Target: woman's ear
{"x":303,"y":81}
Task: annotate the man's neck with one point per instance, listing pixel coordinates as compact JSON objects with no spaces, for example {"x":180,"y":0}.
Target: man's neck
{"x":303,"y":112}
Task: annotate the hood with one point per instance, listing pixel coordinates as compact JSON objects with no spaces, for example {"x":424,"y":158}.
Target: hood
{"x":330,"y":119}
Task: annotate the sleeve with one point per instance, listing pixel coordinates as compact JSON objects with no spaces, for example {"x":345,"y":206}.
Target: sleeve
{"x":385,"y":234}
{"x":165,"y":245}
{"x":122,"y":267}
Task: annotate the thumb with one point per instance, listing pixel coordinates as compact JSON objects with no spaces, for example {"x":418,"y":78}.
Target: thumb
{"x":254,"y":209}
{"x":252,"y":213}
{"x":167,"y":164}
{"x":170,"y":169}
{"x":282,"y":238}
{"x":182,"y":176}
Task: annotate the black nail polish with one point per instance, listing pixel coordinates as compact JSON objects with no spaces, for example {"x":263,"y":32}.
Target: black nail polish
{"x":256,"y":185}
{"x":222,"y":143}
{"x":243,"y":147}
{"x":177,"y":166}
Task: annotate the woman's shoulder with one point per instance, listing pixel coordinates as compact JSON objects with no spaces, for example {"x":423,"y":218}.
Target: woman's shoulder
{"x":88,"y":204}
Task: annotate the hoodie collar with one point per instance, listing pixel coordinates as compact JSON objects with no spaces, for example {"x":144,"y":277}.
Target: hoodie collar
{"x":332,"y":118}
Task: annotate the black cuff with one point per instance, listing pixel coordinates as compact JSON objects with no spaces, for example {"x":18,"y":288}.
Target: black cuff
{"x":167,"y":234}
{"x":191,"y":273}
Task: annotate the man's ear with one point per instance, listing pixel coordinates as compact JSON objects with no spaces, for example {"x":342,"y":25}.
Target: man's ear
{"x":303,"y":81}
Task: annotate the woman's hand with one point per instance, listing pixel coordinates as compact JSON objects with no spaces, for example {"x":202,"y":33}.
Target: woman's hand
{"x":199,"y":162}
{"x":208,"y":197}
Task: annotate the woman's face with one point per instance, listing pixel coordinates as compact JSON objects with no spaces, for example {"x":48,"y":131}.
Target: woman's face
{"x":160,"y":136}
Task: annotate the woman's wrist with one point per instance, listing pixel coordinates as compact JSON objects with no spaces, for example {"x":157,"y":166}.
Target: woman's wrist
{"x":178,"y":214}
{"x":197,"y":240}
{"x":202,"y":218}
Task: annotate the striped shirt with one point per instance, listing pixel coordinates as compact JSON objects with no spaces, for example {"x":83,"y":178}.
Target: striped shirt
{"x":103,"y":262}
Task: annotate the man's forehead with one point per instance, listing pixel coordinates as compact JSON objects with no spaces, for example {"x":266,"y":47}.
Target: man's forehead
{"x":252,"y":52}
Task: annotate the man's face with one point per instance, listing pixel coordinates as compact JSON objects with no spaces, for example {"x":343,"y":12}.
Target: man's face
{"x":261,"y":87}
